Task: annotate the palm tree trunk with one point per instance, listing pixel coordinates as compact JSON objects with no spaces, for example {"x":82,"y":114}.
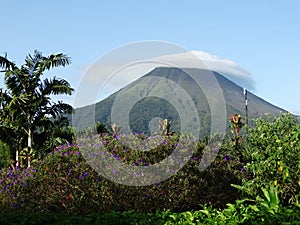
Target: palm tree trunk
{"x":29,"y":145}
{"x":17,"y":157}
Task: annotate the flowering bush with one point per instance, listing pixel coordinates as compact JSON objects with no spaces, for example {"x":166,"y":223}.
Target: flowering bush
{"x":64,"y":182}
{"x":12,"y":182}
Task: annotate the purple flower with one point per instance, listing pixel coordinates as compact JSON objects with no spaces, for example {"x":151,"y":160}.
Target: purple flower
{"x":227,"y":157}
{"x":69,"y":172}
{"x":85,"y":174}
{"x":116,"y":156}
{"x":70,"y":144}
{"x":80,"y":177}
{"x":91,"y":155}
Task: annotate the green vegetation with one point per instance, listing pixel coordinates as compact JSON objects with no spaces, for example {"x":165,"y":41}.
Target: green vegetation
{"x":271,"y":154}
{"x":256,"y":183}
{"x":26,"y":108}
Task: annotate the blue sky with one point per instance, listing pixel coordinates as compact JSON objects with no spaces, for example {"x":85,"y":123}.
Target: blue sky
{"x":262,"y":36}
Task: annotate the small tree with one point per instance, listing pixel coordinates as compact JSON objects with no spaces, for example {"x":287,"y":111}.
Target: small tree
{"x":100,"y":128}
{"x":236,"y":123}
{"x":116,"y":130}
{"x":164,"y":126}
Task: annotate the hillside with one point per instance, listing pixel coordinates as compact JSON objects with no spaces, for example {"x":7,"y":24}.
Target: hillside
{"x":175,"y":82}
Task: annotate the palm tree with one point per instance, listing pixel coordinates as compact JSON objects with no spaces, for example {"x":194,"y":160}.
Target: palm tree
{"x":30,"y":95}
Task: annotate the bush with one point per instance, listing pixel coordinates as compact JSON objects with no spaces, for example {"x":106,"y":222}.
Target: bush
{"x":272,"y":153}
{"x":265,"y":166}
{"x":64,"y":182}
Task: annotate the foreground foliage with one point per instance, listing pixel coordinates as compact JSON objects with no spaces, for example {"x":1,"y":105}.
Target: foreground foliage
{"x":256,"y":183}
{"x":241,"y":212}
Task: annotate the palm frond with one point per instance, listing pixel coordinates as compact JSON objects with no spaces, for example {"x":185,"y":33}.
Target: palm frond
{"x":55,"y":86}
{"x":6,"y":64}
{"x":53,"y":110}
{"x":32,"y":63}
{"x":54,"y":60}
{"x":17,"y":81}
{"x":61,"y":121}
{"x":5,"y":98}
{"x":59,"y":108}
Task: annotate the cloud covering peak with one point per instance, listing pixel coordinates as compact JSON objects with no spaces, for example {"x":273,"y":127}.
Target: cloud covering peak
{"x":121,"y":67}
{"x":227,"y":67}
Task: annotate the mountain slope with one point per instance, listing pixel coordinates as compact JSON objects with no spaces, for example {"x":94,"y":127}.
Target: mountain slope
{"x":171,"y":93}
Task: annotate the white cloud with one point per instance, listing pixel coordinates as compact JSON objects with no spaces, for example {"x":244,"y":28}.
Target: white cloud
{"x":107,"y":77}
{"x":227,"y":67}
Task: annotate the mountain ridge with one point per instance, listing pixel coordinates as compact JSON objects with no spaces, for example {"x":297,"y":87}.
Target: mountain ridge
{"x":147,"y":106}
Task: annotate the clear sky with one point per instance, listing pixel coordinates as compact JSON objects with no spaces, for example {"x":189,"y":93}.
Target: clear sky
{"x":262,"y":36}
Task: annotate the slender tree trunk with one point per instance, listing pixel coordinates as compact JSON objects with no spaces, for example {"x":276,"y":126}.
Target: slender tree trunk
{"x":29,"y":146}
{"x":17,"y":151}
{"x":17,"y":157}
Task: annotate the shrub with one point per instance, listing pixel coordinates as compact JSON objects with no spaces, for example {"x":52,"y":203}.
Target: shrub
{"x":273,"y":157}
{"x":64,"y":182}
